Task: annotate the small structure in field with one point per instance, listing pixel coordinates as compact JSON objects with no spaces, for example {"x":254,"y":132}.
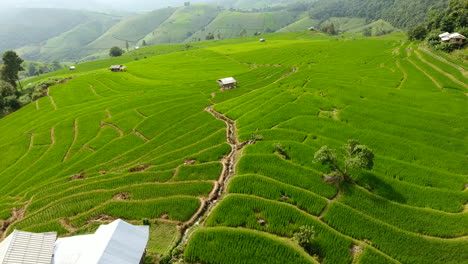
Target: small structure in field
{"x":312,"y":29}
{"x":227,"y":83}
{"x":24,"y":247}
{"x":262,"y":40}
{"x":72,"y":68}
{"x":117,"y":68}
{"x":452,"y":38}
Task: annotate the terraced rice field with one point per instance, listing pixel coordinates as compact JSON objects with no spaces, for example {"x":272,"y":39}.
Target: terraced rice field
{"x":146,"y":144}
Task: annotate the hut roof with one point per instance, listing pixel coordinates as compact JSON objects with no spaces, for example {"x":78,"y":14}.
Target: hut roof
{"x":116,"y":243}
{"x":225,"y":81}
{"x":444,"y":35}
{"x":27,"y":248}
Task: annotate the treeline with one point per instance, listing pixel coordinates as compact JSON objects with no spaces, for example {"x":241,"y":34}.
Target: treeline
{"x":402,"y":14}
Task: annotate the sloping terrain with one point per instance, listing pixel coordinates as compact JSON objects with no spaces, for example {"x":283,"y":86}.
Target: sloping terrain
{"x":182,"y":24}
{"x":161,"y":142}
{"x":230,"y":24}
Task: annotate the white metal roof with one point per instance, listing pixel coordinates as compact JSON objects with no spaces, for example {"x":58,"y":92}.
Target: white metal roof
{"x":444,"y":35}
{"x":229,"y":80}
{"x":116,"y":243}
{"x":457,"y":36}
{"x":27,"y":248}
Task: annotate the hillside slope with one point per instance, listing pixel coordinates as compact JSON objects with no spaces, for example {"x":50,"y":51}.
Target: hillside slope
{"x":229,"y":24}
{"x":182,"y":24}
{"x":133,"y":30}
{"x":162,"y":142}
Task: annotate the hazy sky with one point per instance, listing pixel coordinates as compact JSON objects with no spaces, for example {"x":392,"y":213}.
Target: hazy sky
{"x":121,"y":5}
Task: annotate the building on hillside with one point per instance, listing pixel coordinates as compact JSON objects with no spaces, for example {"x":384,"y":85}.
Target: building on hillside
{"x":117,"y":68}
{"x":312,"y":29}
{"x":262,"y":40}
{"x":116,"y":243}
{"x":227,"y":83}
{"x":27,"y":248}
{"x":72,"y":68}
{"x":456,"y":38}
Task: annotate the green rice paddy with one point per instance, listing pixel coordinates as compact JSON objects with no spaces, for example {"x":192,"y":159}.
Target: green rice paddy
{"x":140,"y":144}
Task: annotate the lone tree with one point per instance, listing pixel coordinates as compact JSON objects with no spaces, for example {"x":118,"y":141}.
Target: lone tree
{"x":116,"y":52}
{"x":355,"y":155}
{"x":12,"y":65}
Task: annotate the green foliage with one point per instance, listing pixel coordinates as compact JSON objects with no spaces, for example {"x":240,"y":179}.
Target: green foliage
{"x":305,"y":236}
{"x":11,"y":67}
{"x":417,"y":33}
{"x":116,"y":51}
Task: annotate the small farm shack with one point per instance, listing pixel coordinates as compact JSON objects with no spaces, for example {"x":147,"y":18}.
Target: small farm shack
{"x":24,"y":247}
{"x":452,"y":38}
{"x":227,"y":83}
{"x":262,"y":40}
{"x":117,"y":68}
{"x":312,"y":29}
{"x":72,"y":68}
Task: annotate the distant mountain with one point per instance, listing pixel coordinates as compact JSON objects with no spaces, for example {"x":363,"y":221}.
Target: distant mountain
{"x":70,"y":35}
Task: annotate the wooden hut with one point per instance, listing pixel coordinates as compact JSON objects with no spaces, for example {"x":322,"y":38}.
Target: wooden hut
{"x":117,"y":68}
{"x":227,"y":83}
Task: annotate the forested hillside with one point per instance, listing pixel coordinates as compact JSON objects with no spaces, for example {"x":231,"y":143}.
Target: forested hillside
{"x":400,"y":13}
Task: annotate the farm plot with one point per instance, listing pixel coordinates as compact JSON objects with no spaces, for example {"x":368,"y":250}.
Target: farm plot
{"x":409,"y":108}
{"x":132,"y":145}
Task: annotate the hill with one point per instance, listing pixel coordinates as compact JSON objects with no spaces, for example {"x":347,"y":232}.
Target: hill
{"x":182,"y":24}
{"x":32,"y":27}
{"x":231,"y":24}
{"x":162,"y":142}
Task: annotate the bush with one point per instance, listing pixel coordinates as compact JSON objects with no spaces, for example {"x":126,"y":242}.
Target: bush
{"x":116,"y":52}
{"x":418,"y":33}
{"x":446,"y":47}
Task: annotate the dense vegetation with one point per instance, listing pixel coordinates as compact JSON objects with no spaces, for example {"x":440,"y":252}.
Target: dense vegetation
{"x":400,"y":13}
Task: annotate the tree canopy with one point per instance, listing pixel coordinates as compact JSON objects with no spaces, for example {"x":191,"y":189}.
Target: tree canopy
{"x":116,"y":52}
{"x":354,"y":154}
{"x":12,"y":66}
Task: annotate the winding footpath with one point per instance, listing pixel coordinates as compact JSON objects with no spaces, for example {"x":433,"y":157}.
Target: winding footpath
{"x":229,"y":165}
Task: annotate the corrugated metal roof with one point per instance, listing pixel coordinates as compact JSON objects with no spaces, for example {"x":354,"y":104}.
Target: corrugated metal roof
{"x":115,"y":243}
{"x":444,"y":35}
{"x":229,"y":80}
{"x":27,"y":248}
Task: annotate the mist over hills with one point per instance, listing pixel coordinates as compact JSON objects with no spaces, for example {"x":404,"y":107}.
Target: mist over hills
{"x":74,"y":34}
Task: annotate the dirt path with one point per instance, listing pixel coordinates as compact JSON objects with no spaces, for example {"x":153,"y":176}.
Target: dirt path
{"x":108,"y":114}
{"x":66,"y":224}
{"x":94,"y":91}
{"x":51,"y":99}
{"x":441,"y":71}
{"x":337,"y":196}
{"x":52,"y":136}
{"x":140,"y":113}
{"x":121,"y":133}
{"x":229,"y":165}
{"x":17,"y":214}
{"x":294,"y":70}
{"x":141,"y":135}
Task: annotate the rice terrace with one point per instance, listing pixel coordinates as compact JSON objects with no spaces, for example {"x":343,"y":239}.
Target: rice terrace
{"x":231,"y":176}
